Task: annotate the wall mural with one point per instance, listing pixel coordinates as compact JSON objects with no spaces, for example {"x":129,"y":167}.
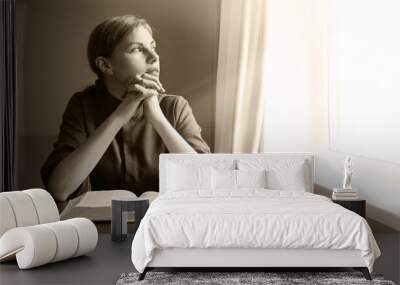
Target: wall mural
{"x":104,"y":91}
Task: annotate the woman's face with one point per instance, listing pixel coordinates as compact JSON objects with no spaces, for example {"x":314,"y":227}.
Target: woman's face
{"x":135,"y":55}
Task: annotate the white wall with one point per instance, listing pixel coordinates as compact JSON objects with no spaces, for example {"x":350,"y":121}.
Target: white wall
{"x":364,"y":72}
{"x":296,"y":117}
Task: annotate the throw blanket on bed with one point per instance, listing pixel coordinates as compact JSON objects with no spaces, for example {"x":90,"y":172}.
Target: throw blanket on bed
{"x":251,"y":218}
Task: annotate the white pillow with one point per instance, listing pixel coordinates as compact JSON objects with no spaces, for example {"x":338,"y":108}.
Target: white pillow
{"x":183,"y":177}
{"x":281,"y":174}
{"x":251,"y":178}
{"x":223,"y":179}
{"x":293,"y":179}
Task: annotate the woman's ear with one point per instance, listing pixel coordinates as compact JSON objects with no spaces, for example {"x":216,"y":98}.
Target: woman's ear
{"x":104,"y":65}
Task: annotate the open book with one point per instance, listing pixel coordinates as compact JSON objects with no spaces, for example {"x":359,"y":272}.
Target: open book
{"x":96,"y":205}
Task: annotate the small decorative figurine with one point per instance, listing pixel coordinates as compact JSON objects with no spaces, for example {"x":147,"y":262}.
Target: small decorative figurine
{"x":348,"y":172}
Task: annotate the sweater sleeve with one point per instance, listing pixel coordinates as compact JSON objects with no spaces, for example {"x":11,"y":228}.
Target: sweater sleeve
{"x":187,"y":126}
{"x":72,"y":134}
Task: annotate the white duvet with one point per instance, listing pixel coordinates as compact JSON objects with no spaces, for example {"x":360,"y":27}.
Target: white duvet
{"x":251,"y":218}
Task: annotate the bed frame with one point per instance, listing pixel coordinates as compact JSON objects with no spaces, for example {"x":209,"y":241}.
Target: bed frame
{"x":248,"y":258}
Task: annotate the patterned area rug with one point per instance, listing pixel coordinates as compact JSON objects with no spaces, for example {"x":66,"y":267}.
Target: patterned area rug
{"x":230,"y":278}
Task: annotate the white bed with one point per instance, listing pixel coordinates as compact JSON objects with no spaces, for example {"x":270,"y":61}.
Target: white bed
{"x":200,"y":223}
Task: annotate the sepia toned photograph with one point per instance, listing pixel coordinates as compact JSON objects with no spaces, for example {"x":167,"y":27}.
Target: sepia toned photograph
{"x":71,"y":95}
{"x":199,"y":142}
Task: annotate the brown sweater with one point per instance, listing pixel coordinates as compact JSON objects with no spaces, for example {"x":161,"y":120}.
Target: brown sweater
{"x":131,"y":160}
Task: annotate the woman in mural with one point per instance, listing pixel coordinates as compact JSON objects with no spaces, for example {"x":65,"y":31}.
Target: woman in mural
{"x":112,"y":132}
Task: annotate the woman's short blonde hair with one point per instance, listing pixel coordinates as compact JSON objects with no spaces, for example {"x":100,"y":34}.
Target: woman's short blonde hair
{"x":108,"y":34}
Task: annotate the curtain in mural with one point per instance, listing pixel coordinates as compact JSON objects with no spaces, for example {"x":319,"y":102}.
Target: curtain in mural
{"x":239,"y":102}
{"x":7,"y":93}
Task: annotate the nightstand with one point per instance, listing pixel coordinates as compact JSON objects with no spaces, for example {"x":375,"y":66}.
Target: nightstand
{"x":119,"y":218}
{"x":357,"y":206}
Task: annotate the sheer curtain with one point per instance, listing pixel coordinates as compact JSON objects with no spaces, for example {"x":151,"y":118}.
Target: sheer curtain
{"x":239,"y":102}
{"x":7,"y":95}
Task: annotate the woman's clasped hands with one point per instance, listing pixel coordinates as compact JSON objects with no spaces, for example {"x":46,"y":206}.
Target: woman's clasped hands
{"x":142,"y":90}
